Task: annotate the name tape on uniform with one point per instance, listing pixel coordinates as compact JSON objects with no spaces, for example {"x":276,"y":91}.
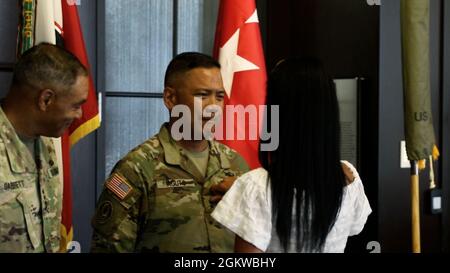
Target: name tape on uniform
{"x":175,"y":183}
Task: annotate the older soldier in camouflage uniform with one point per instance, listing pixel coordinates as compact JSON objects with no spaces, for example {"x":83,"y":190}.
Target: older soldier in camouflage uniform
{"x":49,"y":86}
{"x":159,"y":197}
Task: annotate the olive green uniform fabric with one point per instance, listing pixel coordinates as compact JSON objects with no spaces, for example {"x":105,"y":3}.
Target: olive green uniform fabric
{"x":30,"y":194}
{"x":161,"y":202}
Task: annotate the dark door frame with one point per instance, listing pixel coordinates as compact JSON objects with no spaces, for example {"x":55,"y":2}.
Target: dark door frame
{"x":445,"y":126}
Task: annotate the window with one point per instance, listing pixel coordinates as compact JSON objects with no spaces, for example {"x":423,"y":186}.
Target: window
{"x":140,"y":40}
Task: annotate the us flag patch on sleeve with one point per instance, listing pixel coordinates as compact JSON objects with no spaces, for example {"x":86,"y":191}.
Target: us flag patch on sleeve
{"x":119,"y":186}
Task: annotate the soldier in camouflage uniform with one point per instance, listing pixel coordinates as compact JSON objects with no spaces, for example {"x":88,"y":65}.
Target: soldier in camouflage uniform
{"x":159,"y":197}
{"x":49,"y":86}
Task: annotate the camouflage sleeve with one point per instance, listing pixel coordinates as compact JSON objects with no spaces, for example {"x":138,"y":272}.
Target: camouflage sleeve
{"x":118,"y":214}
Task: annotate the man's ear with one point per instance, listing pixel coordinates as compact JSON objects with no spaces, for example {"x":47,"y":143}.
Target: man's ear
{"x":47,"y":97}
{"x":170,"y":97}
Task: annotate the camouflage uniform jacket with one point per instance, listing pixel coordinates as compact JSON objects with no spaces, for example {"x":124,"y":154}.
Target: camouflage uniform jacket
{"x":29,"y":220}
{"x":155,"y":200}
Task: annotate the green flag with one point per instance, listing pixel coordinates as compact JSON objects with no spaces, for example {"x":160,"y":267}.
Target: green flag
{"x":26,"y":34}
{"x":419,"y":132}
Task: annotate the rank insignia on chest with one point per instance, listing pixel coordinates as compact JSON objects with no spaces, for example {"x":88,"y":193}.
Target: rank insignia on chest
{"x":119,"y":186}
{"x":53,"y":171}
{"x":175,"y":183}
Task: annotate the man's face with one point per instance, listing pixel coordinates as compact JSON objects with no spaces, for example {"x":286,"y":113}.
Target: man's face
{"x":65,"y":108}
{"x":203,"y":85}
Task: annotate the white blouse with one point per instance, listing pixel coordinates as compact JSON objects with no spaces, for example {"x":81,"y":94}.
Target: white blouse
{"x":246,"y":210}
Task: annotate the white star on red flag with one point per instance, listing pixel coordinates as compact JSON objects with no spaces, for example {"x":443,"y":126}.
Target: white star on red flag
{"x":238,"y":47}
{"x":230,"y":61}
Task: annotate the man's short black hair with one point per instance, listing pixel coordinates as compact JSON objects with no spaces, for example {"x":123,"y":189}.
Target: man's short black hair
{"x":47,"y":66}
{"x":186,"y":61}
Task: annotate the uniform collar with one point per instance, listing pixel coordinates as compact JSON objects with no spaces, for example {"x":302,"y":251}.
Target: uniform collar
{"x":220,"y":155}
{"x":20,"y":160}
{"x":172,"y":153}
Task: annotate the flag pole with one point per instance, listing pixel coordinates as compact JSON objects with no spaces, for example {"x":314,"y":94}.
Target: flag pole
{"x":415,"y":209}
{"x":419,"y":131}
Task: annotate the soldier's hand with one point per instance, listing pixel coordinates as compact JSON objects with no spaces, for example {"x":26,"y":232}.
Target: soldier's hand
{"x":219,"y":190}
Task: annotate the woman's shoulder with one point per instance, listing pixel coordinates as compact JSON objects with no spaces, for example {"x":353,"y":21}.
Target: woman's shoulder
{"x":350,"y":172}
{"x":253,"y":181}
{"x":256,"y":175}
{"x":355,"y":189}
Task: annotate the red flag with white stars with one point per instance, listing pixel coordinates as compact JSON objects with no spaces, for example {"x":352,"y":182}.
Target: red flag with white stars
{"x":238,"y":48}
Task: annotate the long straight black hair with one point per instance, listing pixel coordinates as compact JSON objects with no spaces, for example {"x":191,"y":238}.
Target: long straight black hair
{"x":307,"y":162}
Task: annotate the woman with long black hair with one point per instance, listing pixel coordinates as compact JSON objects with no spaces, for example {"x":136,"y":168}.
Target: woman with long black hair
{"x":304,"y":198}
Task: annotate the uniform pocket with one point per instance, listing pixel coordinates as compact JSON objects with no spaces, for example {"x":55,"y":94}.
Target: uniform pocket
{"x":176,"y":222}
{"x":7,"y":197}
{"x":16,"y":228}
{"x":23,"y":199}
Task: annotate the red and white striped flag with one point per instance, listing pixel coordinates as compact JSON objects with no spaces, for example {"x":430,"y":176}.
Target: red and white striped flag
{"x":57,"y":22}
{"x":118,"y":185}
{"x":238,"y":48}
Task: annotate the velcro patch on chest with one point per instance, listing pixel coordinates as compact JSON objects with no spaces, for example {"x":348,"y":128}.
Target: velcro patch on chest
{"x":119,"y":186}
{"x":175,"y":183}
